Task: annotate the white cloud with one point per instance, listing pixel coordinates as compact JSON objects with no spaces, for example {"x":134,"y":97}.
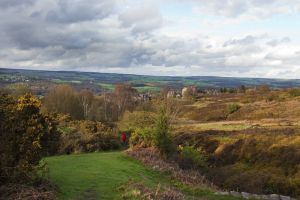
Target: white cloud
{"x":142,"y":18}
{"x":250,"y":8}
{"x":101,"y":36}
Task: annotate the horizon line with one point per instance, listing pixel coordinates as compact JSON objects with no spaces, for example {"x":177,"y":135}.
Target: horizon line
{"x":175,"y":76}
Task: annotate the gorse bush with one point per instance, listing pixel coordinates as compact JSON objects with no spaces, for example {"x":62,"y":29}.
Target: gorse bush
{"x":26,"y":136}
{"x":140,"y":124}
{"x":82,"y":143}
{"x":87,"y":136}
{"x":142,"y":136}
{"x":131,"y":121}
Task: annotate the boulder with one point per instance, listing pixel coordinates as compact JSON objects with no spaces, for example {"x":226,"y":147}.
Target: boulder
{"x":256,"y":196}
{"x":274,"y":197}
{"x":264,"y":197}
{"x":246,"y":195}
{"x":235,"y":194}
{"x":282,"y":197}
{"x":223,"y":193}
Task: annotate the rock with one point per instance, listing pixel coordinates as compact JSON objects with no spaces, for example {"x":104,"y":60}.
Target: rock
{"x":246,"y":195}
{"x":256,"y":196}
{"x":274,"y":197}
{"x":223,"y":193}
{"x":235,"y":194}
{"x":282,"y":197}
{"x":264,"y":197}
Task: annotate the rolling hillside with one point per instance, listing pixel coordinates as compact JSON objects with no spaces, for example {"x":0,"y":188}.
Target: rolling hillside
{"x":105,"y":81}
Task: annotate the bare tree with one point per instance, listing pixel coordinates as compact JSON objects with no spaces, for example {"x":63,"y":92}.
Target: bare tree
{"x":86,"y":100}
{"x":63,"y":99}
{"x":125,"y":98}
{"x":171,"y":106}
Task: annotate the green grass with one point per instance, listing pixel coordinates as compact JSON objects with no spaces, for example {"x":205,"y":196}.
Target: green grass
{"x":98,"y":176}
{"x":107,"y":86}
{"x":97,"y":173}
{"x":223,"y":127}
{"x":213,"y":126}
{"x":147,"y":89}
{"x":140,"y":89}
{"x":199,"y":104}
{"x":59,"y":81}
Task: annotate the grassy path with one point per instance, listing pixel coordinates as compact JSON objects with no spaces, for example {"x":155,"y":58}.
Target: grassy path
{"x":96,"y":176}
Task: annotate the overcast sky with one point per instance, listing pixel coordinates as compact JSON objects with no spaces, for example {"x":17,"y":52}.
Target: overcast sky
{"x":247,"y":38}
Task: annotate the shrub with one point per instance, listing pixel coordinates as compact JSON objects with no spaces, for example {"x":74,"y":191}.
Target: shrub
{"x":264,"y":89}
{"x":232,"y":108}
{"x":82,"y":143}
{"x":87,"y":126}
{"x":190,"y":157}
{"x":132,"y":121}
{"x":142,"y":136}
{"x":274,"y":97}
{"x":135,"y":139}
{"x":270,"y":98}
{"x":88,"y":136}
{"x":26,"y":136}
{"x":162,"y":139}
{"x":294,"y":92}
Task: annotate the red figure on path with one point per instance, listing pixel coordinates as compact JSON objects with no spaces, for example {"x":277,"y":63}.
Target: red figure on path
{"x":123,"y":137}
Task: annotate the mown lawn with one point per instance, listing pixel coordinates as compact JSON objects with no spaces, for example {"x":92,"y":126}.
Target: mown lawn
{"x":98,"y":175}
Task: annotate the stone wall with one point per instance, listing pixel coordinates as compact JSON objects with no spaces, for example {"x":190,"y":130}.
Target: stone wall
{"x":246,"y":195}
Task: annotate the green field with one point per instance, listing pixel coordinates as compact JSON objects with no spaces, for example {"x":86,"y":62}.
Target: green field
{"x":107,"y":80}
{"x":148,"y":89}
{"x":59,"y":81}
{"x":98,"y":175}
{"x":107,"y":86}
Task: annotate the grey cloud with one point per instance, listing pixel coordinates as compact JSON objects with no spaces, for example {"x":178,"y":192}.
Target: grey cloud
{"x":14,"y":3}
{"x":244,"y":41}
{"x":276,"y":42}
{"x":93,"y":34}
{"x":229,"y":8}
{"x":142,"y":19}
{"x":70,"y":11}
{"x":26,"y":35}
{"x":253,"y":8}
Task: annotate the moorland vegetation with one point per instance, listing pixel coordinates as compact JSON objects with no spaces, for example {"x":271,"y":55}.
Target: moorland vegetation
{"x":242,"y":139}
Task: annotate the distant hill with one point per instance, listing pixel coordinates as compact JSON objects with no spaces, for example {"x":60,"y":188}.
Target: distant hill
{"x":141,"y":82}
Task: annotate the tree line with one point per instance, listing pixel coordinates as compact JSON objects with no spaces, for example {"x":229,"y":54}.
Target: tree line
{"x":84,"y":104}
